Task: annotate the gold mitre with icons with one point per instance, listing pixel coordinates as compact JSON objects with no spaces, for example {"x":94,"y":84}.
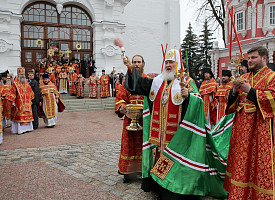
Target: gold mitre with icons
{"x":173,"y":55}
{"x":20,"y":71}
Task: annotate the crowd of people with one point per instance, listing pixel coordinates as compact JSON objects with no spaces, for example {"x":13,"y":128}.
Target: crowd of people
{"x":23,"y":101}
{"x":70,"y":77}
{"x":198,"y":134}
{"x":200,"y":137}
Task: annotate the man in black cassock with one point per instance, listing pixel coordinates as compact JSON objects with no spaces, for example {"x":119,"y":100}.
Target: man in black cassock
{"x":35,"y":88}
{"x":83,"y":65}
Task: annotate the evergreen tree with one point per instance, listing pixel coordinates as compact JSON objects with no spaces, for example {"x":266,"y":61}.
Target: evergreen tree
{"x":206,"y":44}
{"x":190,"y":44}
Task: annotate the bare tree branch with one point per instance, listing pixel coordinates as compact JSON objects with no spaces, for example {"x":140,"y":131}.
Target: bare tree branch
{"x":220,"y":21}
{"x":214,"y":11}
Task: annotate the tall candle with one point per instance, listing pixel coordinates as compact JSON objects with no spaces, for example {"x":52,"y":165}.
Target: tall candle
{"x":175,"y":61}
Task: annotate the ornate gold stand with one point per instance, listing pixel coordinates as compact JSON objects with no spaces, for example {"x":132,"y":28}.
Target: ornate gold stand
{"x":134,"y":112}
{"x":236,"y":62}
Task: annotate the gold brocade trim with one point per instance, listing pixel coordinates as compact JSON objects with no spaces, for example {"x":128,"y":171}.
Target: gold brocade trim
{"x":248,"y":184}
{"x":247,"y":110}
{"x":136,"y":100}
{"x":155,"y":121}
{"x":152,"y":94}
{"x":156,"y":113}
{"x":177,"y":97}
{"x":271,"y":100}
{"x":262,"y":76}
{"x":155,"y":129}
{"x":163,"y":117}
{"x":12,"y":95}
{"x":24,"y":87}
{"x":121,"y":101}
{"x":172,"y":124}
{"x":258,"y":72}
{"x":130,"y":157}
{"x":269,"y":78}
{"x":179,"y":119}
{"x":260,"y":80}
{"x":174,"y":116}
{"x":170,"y":132}
{"x":272,"y":163}
{"x":154,"y":141}
{"x":209,"y":84}
{"x":209,"y":87}
{"x":24,"y":123}
{"x":257,"y":94}
{"x":162,"y":167}
{"x":228,"y":173}
{"x":164,"y":111}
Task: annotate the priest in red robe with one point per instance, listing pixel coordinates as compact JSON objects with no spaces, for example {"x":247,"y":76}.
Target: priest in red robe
{"x":21,"y":95}
{"x":221,"y":96}
{"x":250,"y":166}
{"x":93,"y":83}
{"x":130,"y":159}
{"x":51,"y":102}
{"x":104,"y":83}
{"x":208,"y":90}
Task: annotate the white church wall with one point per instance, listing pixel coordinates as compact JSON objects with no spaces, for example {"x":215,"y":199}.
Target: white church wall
{"x":10,"y":48}
{"x":142,"y":24}
{"x":150,"y":23}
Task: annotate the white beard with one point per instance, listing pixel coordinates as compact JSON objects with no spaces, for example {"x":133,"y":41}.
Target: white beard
{"x":9,"y":82}
{"x":22,"y":79}
{"x":169,"y":76}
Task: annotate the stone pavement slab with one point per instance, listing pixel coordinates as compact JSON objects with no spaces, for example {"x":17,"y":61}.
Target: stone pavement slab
{"x":77,"y":159}
{"x":71,"y":128}
{"x":39,"y":181}
{"x":87,"y":174}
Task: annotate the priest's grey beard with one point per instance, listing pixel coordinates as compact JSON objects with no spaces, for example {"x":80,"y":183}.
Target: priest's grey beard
{"x":9,"y":82}
{"x":22,"y":79}
{"x":169,"y":76}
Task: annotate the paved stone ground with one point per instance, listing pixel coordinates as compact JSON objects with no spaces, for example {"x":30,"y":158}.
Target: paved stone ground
{"x":77,"y":159}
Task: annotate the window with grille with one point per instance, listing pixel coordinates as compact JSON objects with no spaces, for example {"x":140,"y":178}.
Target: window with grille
{"x":272,"y":15}
{"x":82,"y":36}
{"x":28,"y":57}
{"x":240,"y":21}
{"x":56,"y":26}
{"x":39,"y":56}
{"x":31,"y":34}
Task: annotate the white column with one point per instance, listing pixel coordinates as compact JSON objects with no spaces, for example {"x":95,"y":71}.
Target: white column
{"x":271,"y":49}
{"x":10,"y":43}
{"x":254,"y":22}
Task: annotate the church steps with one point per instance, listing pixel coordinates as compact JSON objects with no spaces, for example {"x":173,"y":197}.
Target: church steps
{"x":87,"y":104}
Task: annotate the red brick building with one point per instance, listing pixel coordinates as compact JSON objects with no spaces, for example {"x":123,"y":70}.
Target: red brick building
{"x":255,"y":25}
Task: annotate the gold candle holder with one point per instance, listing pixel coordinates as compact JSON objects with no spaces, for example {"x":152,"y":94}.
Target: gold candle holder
{"x":236,"y":63}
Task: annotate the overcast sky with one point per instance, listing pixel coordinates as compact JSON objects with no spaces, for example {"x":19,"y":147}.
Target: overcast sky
{"x":189,"y":14}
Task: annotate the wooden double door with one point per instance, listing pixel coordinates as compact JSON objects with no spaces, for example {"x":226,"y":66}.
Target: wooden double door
{"x":31,"y":57}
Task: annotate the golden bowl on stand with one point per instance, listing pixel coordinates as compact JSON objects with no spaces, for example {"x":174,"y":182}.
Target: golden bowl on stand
{"x":134,"y":112}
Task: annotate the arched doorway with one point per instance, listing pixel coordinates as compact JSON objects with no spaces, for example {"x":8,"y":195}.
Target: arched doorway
{"x":62,"y":32}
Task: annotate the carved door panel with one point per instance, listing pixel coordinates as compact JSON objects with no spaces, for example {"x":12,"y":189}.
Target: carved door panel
{"x":31,"y":59}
